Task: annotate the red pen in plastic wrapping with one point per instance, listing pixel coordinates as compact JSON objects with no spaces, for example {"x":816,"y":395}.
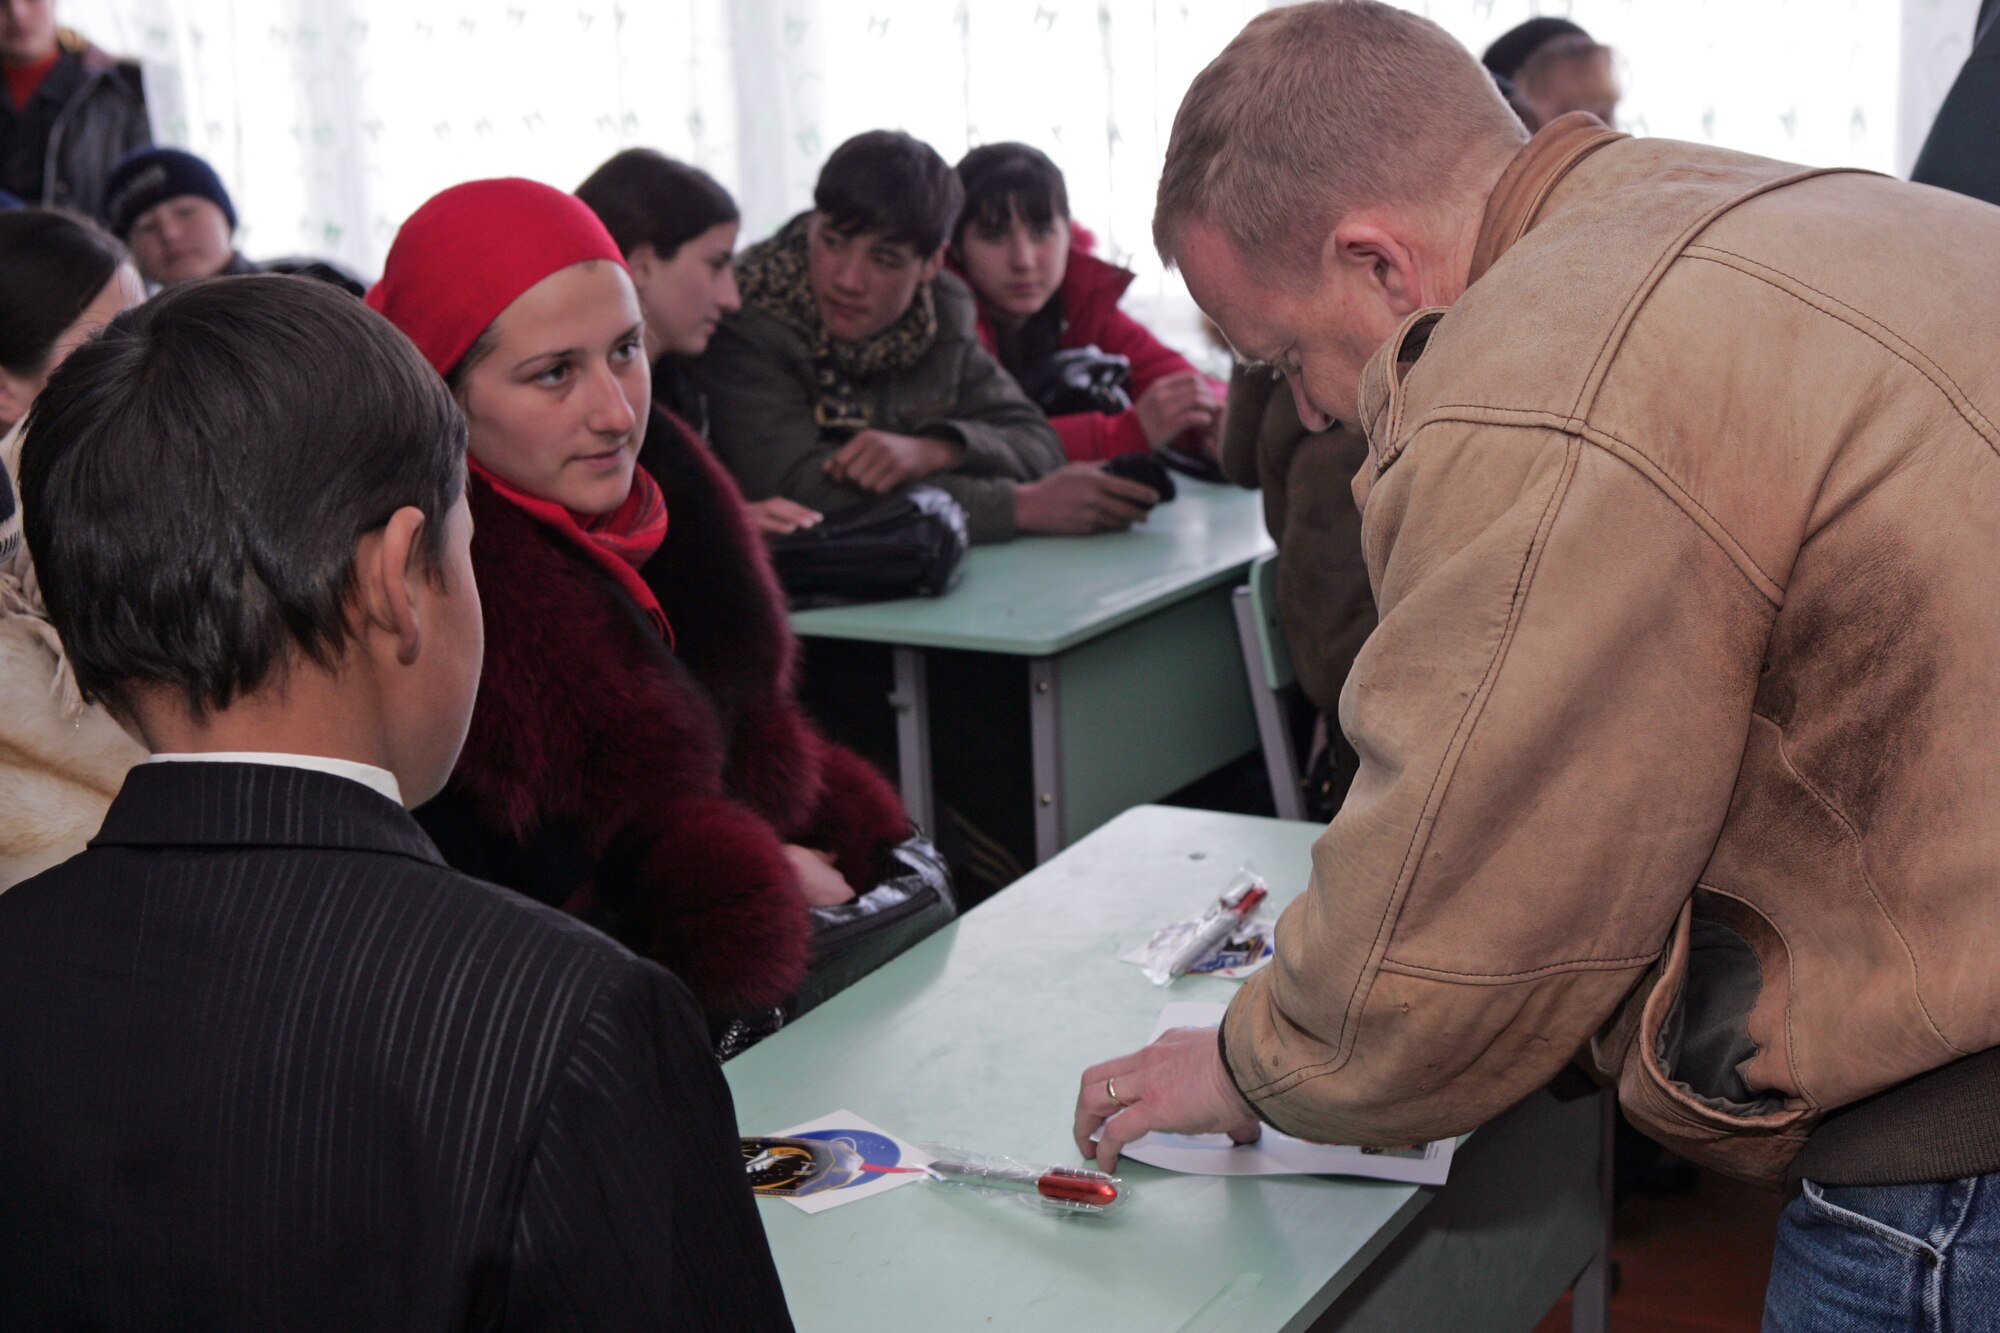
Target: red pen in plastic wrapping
{"x":1224,"y":919}
{"x":1070,"y":1190}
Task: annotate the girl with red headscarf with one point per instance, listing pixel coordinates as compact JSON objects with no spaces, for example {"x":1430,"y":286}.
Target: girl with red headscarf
{"x":637,"y":753}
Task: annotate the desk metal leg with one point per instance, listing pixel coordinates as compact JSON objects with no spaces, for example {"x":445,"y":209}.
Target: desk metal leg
{"x":1590,"y":1299}
{"x":1045,"y":735}
{"x":911,"y":700}
{"x":1274,"y":729}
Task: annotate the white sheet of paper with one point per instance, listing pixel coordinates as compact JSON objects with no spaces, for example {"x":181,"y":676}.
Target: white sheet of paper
{"x":868,"y":1141}
{"x":1278,"y":1154}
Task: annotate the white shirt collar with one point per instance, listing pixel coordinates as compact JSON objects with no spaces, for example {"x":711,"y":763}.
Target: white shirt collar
{"x":379,"y":779}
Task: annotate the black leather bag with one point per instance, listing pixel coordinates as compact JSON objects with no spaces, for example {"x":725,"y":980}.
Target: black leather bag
{"x":1080,"y":379}
{"x":907,"y":545}
{"x":913,"y":899}
{"x":852,"y":939}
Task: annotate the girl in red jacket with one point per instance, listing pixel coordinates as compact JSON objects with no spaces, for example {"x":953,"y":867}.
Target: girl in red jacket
{"x":637,"y":753}
{"x":1042,"y":291}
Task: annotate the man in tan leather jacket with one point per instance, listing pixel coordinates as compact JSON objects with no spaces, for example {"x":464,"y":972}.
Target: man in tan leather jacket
{"x":1683,"y":517}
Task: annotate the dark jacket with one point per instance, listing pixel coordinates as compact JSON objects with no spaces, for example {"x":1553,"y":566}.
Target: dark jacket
{"x":59,"y":150}
{"x":652,"y":787}
{"x":676,"y":391}
{"x":1086,"y":314}
{"x":302,"y":266}
{"x":1324,"y":602}
{"x":1960,"y":153}
{"x":759,"y":377}
{"x":270,"y":1064}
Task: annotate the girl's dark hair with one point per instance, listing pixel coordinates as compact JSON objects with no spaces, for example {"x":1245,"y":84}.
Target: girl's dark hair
{"x":52,"y":266}
{"x":644,"y":197}
{"x":1007,"y":180}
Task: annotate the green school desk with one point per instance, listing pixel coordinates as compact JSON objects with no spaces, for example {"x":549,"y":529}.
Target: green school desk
{"x":1134,"y":675}
{"x":977,"y":1038}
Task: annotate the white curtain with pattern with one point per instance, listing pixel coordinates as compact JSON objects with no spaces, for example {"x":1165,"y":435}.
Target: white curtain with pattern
{"x":331,"y":120}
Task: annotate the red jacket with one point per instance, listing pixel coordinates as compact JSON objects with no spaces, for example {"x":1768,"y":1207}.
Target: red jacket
{"x":650,"y":789}
{"x":1091,"y":318}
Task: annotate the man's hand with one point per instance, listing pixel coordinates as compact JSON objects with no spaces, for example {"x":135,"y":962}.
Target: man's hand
{"x":1078,"y":499}
{"x":1177,"y":1084}
{"x":779,"y":517}
{"x":1175,"y":405}
{"x":878,"y":461}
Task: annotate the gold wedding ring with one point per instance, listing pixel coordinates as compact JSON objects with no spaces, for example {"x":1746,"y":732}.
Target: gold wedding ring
{"x":1111,"y":1091}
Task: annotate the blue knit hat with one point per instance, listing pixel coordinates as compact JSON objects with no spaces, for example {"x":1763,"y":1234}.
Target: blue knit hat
{"x":147,"y":177}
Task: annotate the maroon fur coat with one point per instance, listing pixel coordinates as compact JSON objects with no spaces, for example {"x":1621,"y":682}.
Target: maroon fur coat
{"x":650,"y":789}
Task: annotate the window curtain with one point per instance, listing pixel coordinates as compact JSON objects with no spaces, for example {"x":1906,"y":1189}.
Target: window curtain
{"x":330,"y":120}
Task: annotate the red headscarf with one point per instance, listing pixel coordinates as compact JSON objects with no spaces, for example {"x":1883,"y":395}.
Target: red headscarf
{"x":456,"y":265}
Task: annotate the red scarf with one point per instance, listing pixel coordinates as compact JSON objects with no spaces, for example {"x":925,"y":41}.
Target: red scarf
{"x":24,"y":81}
{"x":618,"y":542}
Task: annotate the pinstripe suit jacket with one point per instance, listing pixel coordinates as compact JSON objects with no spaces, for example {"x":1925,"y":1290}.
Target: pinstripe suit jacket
{"x":266,"y":1063}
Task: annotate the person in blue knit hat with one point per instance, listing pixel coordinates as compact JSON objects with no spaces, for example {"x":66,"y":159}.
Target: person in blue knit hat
{"x":173,"y":211}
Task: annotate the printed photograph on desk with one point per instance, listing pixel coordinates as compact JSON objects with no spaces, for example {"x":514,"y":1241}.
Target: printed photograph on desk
{"x":828,"y":1162}
{"x":1276,"y":1154}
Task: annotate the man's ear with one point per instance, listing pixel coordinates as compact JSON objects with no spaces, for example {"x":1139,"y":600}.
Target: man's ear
{"x":1360,"y":245}
{"x":933,"y":264}
{"x":641,"y":261}
{"x":389,"y":574}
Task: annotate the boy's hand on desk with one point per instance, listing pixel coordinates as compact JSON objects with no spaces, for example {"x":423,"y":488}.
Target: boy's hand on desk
{"x":879,"y":461}
{"x":1177,"y":1084}
{"x":1078,"y":499}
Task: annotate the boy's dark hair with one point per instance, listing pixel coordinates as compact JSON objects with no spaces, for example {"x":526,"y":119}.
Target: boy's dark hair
{"x":1003,"y":181}
{"x":1513,"y":48}
{"x":52,"y":266}
{"x":194,"y":481}
{"x":893,"y":185}
{"x":644,"y":197}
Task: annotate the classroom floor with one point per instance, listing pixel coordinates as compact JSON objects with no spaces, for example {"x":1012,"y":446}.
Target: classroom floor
{"x":1689,"y":1263}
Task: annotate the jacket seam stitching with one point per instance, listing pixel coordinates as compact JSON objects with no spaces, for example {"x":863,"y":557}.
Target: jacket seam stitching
{"x":1440,"y":785}
{"x":1791,"y":987}
{"x":1658,"y":478}
{"x":1614,"y":337}
{"x":1677,"y":495}
{"x":1393,"y":450}
{"x":1867,"y":880}
{"x":1551,"y":969}
{"x":1872,"y":329}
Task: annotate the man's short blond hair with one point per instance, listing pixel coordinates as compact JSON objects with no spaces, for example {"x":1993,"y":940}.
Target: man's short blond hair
{"x":1315,"y":110}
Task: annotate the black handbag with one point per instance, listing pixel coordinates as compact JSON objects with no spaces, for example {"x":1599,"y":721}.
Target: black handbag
{"x":1079,"y":380}
{"x":913,"y":899}
{"x":911,"y":544}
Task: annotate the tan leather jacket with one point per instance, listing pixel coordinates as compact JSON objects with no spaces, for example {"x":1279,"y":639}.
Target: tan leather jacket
{"x":1678,"y":731}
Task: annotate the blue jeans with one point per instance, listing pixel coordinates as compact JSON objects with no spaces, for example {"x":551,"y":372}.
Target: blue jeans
{"x":1872,"y":1258}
